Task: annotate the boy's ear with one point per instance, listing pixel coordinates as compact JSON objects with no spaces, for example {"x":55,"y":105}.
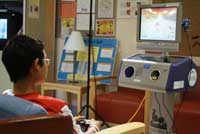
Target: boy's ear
{"x":36,"y":65}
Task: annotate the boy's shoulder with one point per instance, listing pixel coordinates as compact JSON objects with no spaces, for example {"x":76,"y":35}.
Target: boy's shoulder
{"x":51,"y":104}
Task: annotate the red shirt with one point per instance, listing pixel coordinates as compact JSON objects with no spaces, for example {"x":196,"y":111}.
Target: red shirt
{"x":52,"y":105}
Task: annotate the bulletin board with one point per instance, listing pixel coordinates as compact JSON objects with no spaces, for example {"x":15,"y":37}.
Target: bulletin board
{"x":102,"y":60}
{"x":75,"y":15}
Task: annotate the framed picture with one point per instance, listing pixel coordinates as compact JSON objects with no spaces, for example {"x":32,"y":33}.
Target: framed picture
{"x":105,"y":9}
{"x":105,"y":27}
{"x":83,"y":6}
{"x":82,"y":22}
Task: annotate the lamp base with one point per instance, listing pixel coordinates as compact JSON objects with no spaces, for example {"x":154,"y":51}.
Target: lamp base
{"x":74,"y":81}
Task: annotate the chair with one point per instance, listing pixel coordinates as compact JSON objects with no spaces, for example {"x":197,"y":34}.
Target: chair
{"x":20,"y":122}
{"x":127,"y":128}
{"x":46,"y":124}
{"x":11,"y":106}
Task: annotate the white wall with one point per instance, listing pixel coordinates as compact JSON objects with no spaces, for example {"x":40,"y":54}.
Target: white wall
{"x":4,"y":78}
{"x":126,"y":35}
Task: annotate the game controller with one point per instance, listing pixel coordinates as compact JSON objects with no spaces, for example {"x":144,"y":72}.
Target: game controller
{"x":84,"y":124}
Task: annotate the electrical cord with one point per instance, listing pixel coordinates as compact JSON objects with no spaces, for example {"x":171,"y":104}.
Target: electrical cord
{"x":191,"y":64}
{"x":170,"y":116}
{"x":189,"y":45}
{"x":137,"y":110}
{"x":159,"y":107}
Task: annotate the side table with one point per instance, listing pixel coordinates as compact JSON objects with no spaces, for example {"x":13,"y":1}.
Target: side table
{"x":73,"y":88}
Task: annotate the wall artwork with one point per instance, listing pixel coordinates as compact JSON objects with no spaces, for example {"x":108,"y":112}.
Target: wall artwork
{"x":34,"y":9}
{"x":105,"y":9}
{"x":82,"y":21}
{"x":127,"y":8}
{"x":68,"y":10}
{"x":67,"y":26}
{"x":105,"y":27}
{"x":83,"y":6}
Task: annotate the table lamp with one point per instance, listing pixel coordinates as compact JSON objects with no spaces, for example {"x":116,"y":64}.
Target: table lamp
{"x":75,"y":43}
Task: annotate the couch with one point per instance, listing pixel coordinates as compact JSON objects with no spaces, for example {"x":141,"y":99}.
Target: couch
{"x":11,"y":106}
{"x":118,"y":106}
{"x":20,"y":116}
{"x":45,"y":124}
{"x":57,"y":124}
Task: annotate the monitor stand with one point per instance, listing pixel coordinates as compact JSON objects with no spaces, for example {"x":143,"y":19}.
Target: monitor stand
{"x":165,"y":56}
{"x":160,"y":76}
{"x":159,"y":112}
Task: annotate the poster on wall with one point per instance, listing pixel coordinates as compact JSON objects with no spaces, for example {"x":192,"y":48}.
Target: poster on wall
{"x":34,"y":9}
{"x":103,"y":51}
{"x":68,"y":10}
{"x":83,"y":6}
{"x":82,"y":21}
{"x":105,"y":9}
{"x":105,"y":27}
{"x":67,"y":26}
{"x":127,"y":8}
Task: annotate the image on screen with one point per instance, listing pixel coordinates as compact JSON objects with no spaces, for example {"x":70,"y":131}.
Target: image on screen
{"x":3,"y":29}
{"x":158,"y":23}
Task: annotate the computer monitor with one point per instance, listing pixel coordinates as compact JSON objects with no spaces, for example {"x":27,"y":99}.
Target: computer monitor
{"x":10,"y":24}
{"x":3,"y":28}
{"x":159,"y":26}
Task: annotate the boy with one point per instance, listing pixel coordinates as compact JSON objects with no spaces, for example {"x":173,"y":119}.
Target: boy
{"x":27,"y":65}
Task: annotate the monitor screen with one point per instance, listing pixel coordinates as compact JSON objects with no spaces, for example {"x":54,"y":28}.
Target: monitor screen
{"x":159,"y":26}
{"x":10,"y":24}
{"x":3,"y":28}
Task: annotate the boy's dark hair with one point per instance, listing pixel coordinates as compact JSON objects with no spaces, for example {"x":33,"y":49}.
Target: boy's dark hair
{"x":19,"y":55}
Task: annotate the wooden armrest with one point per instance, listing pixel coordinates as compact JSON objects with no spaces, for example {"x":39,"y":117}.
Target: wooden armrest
{"x":99,"y":78}
{"x":37,"y":125}
{"x":128,"y":128}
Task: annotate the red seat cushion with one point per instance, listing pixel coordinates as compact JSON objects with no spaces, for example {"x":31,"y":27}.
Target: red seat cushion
{"x":118,"y":107}
{"x":187,"y":117}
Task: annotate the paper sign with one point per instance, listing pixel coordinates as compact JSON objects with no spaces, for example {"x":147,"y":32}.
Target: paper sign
{"x":67,"y":67}
{"x":34,"y":8}
{"x":82,"y":67}
{"x":105,"y":8}
{"x":83,"y":6}
{"x":106,"y":53}
{"x":82,"y":21}
{"x":69,"y":57}
{"x":68,"y":10}
{"x":83,"y":56}
{"x":104,"y":67}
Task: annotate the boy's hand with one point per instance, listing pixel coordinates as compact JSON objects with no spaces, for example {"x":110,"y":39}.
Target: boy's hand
{"x":79,"y":117}
{"x":94,"y":123}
